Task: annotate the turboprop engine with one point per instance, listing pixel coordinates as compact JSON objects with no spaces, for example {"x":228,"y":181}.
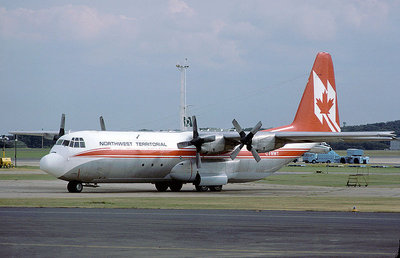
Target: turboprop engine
{"x":215,"y":147}
{"x":321,"y":148}
{"x":265,"y":143}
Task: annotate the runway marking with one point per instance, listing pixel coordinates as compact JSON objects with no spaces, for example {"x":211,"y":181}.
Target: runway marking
{"x":201,"y":249}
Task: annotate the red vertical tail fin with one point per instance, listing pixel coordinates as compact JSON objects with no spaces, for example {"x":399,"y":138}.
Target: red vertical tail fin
{"x":318,"y":109}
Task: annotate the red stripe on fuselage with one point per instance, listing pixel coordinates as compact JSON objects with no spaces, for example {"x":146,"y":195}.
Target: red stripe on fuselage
{"x":185,"y":153}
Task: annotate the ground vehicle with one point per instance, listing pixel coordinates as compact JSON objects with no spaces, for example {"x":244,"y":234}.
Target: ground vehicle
{"x":5,"y":163}
{"x":330,"y":157}
{"x":355,"y":156}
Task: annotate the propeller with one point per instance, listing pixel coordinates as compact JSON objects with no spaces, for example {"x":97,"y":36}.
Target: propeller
{"x":102,"y":124}
{"x":196,"y":141}
{"x":246,"y":140}
{"x":62,"y":130}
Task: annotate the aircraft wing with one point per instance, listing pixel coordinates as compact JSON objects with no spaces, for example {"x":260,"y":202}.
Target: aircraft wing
{"x":49,"y":135}
{"x":299,"y":137}
{"x":268,"y":141}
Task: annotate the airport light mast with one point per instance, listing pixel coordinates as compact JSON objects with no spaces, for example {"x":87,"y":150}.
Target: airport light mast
{"x":182,"y":114}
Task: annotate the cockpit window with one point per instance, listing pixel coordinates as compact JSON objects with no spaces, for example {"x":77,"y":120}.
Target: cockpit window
{"x":59,"y":142}
{"x":75,"y":143}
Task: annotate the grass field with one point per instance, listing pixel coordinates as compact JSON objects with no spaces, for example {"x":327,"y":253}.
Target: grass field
{"x":26,"y":177}
{"x":331,"y":180}
{"x":340,"y":169}
{"x":247,"y":203}
{"x":27,"y":153}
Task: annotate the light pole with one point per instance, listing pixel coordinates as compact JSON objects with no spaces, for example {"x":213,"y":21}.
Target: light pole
{"x":15,"y":150}
{"x":182,"y":113}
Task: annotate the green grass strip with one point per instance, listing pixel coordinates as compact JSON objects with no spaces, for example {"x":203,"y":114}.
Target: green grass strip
{"x":26,"y":177}
{"x":362,"y":204}
{"x":332,"y":180}
{"x":27,"y":153}
{"x":342,"y":169}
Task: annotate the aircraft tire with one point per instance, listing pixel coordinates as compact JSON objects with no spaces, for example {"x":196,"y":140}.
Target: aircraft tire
{"x":175,"y":186}
{"x":74,"y":187}
{"x":202,"y":188}
{"x":161,"y":187}
{"x":216,"y":188}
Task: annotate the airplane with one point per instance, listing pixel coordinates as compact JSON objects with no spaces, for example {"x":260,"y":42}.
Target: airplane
{"x":208,"y":160}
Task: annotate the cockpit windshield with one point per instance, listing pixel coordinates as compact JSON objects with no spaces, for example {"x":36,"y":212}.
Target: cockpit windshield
{"x":75,"y":142}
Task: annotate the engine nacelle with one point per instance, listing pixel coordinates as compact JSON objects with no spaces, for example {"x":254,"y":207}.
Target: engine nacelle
{"x":321,"y":148}
{"x":265,"y":143}
{"x":214,"y":147}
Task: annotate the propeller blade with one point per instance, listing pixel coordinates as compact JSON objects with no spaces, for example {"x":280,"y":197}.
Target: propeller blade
{"x":196,"y":141}
{"x":246,"y":140}
{"x":238,"y":128}
{"x":255,"y":155}
{"x":235,"y":152}
{"x":102,"y":124}
{"x":195,"y":131}
{"x":198,"y":160}
{"x":236,"y":125}
{"x":256,"y":128}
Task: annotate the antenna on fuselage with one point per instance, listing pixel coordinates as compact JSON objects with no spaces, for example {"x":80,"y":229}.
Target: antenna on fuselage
{"x":185,"y":122}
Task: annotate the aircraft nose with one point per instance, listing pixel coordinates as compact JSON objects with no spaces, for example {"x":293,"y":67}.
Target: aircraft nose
{"x":53,"y":164}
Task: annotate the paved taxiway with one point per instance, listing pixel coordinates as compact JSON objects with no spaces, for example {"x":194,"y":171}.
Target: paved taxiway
{"x":182,"y":233}
{"x":58,"y":189}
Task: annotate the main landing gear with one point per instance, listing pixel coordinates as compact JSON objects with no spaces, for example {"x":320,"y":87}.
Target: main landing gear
{"x":74,"y":187}
{"x":174,"y":186}
{"x":203,"y":188}
{"x":177,"y":186}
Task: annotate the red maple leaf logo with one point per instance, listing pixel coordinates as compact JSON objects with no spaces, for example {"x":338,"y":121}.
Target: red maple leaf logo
{"x":325,"y":105}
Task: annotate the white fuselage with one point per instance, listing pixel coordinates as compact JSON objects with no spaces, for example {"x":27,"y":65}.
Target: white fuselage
{"x":117,"y":157}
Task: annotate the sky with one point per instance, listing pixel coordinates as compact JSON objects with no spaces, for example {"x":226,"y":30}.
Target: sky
{"x":248,"y":60}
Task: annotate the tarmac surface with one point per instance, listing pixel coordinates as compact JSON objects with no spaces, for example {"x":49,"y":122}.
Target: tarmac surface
{"x":71,"y":232}
{"x":58,"y":189}
{"x":49,"y":232}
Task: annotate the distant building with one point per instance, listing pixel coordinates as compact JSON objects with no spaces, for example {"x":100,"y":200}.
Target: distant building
{"x":395,"y":145}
